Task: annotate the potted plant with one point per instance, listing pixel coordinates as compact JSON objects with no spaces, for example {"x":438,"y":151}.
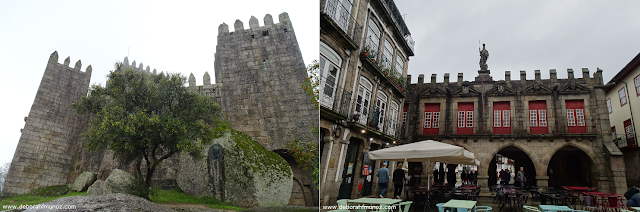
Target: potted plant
{"x":365,"y":51}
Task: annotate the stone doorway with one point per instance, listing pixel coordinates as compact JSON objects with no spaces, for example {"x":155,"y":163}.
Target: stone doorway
{"x":519,"y":159}
{"x":303,"y":190}
{"x":570,"y":166}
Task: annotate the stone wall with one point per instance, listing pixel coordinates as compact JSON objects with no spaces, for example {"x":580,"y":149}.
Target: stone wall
{"x":262,"y":70}
{"x":52,"y":129}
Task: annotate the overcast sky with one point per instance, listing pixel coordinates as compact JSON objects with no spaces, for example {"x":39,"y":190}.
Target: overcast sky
{"x":174,"y":36}
{"x":521,"y":35}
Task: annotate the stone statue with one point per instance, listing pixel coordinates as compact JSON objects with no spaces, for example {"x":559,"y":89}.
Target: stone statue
{"x":484,"y":55}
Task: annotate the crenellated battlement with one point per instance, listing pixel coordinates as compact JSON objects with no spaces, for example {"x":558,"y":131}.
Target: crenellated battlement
{"x":594,"y":80}
{"x":254,"y":26}
{"x":125,"y":64}
{"x":53,"y":62}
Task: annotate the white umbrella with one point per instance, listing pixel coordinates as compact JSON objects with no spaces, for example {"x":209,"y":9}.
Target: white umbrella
{"x":429,"y":150}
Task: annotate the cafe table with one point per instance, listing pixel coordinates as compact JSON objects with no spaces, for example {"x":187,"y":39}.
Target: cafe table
{"x":466,"y":204}
{"x":375,"y":201}
{"x":635,"y":208}
{"x":553,"y":208}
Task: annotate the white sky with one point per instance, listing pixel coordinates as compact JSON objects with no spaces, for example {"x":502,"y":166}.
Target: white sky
{"x":521,"y":35}
{"x":166,"y":35}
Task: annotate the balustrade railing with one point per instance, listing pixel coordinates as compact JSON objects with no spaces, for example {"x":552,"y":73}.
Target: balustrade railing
{"x":342,"y":17}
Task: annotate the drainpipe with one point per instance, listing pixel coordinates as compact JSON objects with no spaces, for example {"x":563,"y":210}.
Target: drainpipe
{"x":635,"y":136}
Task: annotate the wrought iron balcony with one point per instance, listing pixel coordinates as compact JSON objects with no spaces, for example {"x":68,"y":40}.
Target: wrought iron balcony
{"x":333,"y":99}
{"x":336,"y":16}
{"x":372,"y":121}
{"x":393,"y":77}
{"x":397,"y":19}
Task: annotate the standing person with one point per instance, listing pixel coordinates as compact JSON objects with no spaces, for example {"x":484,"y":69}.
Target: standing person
{"x":383,"y":180}
{"x":502,"y":177}
{"x":463,"y":176}
{"x":435,"y":176}
{"x":521,"y":179}
{"x":398,"y":181}
{"x":507,"y":177}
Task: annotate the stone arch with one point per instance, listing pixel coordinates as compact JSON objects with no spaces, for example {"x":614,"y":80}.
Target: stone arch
{"x":303,"y":188}
{"x":586,"y":149}
{"x":484,"y":169}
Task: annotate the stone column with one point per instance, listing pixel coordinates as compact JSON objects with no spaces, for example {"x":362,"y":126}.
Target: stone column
{"x":542,"y":181}
{"x":483,"y":182}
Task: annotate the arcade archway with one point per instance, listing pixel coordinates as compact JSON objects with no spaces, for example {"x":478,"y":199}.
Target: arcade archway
{"x":512,"y":158}
{"x":570,"y":166}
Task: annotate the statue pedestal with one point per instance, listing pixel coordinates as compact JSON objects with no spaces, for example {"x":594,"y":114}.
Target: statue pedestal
{"x":484,"y":75}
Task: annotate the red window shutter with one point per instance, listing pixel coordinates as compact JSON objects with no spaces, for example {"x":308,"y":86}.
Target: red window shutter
{"x":576,"y":116}
{"x":431,"y":125}
{"x":538,"y":117}
{"x":628,"y":132}
{"x":501,"y":118}
{"x":465,"y":118}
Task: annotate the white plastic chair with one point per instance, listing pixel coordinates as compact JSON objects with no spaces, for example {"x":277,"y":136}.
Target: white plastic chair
{"x":403,"y":206}
{"x":531,"y":208}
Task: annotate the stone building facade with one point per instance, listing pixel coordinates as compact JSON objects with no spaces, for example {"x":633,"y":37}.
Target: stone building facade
{"x":557,"y":129}
{"x":364,"y":51}
{"x":623,"y":100}
{"x":259,"y":73}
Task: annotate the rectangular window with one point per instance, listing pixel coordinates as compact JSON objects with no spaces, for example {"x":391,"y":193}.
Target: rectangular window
{"x":575,"y":116}
{"x":580,"y":117}
{"x":501,"y":118}
{"x":533,"y":118}
{"x":613,"y":132}
{"x":461,"y":118}
{"x":506,"y":118}
{"x":431,"y":119}
{"x":427,"y":119}
{"x":538,"y":117}
{"x":623,"y":96}
{"x":636,"y":82}
{"x":399,"y":64}
{"x":387,"y":54}
{"x":542,"y":115}
{"x":404,"y":121}
{"x":465,"y":118}
{"x":628,"y":131}
{"x":571,"y":118}
{"x":609,"y":105}
{"x":469,"y":118}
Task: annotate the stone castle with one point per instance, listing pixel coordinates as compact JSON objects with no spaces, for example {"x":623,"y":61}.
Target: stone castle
{"x":258,"y":76}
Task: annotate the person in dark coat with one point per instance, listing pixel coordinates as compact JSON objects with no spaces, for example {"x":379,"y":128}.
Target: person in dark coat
{"x":463,"y":176}
{"x":398,"y":181}
{"x":507,"y":177}
{"x":436,"y":176}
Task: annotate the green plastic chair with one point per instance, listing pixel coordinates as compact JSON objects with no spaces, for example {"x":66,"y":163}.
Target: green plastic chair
{"x":483,"y":208}
{"x":531,"y":208}
{"x":403,"y":206}
{"x":342,"y":202}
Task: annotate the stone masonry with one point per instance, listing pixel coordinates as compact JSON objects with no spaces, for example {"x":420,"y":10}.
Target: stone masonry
{"x":261,"y":71}
{"x":605,"y":161}
{"x":51,"y":130}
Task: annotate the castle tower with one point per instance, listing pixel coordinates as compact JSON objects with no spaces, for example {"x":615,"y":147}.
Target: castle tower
{"x":52,"y":128}
{"x":261,"y":71}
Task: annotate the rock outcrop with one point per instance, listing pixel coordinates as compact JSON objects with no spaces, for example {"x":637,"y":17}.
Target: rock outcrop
{"x":117,"y":182}
{"x":83,"y":181}
{"x":108,"y":202}
{"x":237,"y":169}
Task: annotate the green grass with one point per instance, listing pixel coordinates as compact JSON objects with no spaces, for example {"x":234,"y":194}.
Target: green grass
{"x":32,"y":199}
{"x":177,"y":196}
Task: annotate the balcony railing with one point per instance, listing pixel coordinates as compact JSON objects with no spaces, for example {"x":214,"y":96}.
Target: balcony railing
{"x":624,"y":143}
{"x":341,"y":17}
{"x":387,"y":126}
{"x":390,"y":6}
{"x":333,"y":97}
{"x":390,"y":73}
